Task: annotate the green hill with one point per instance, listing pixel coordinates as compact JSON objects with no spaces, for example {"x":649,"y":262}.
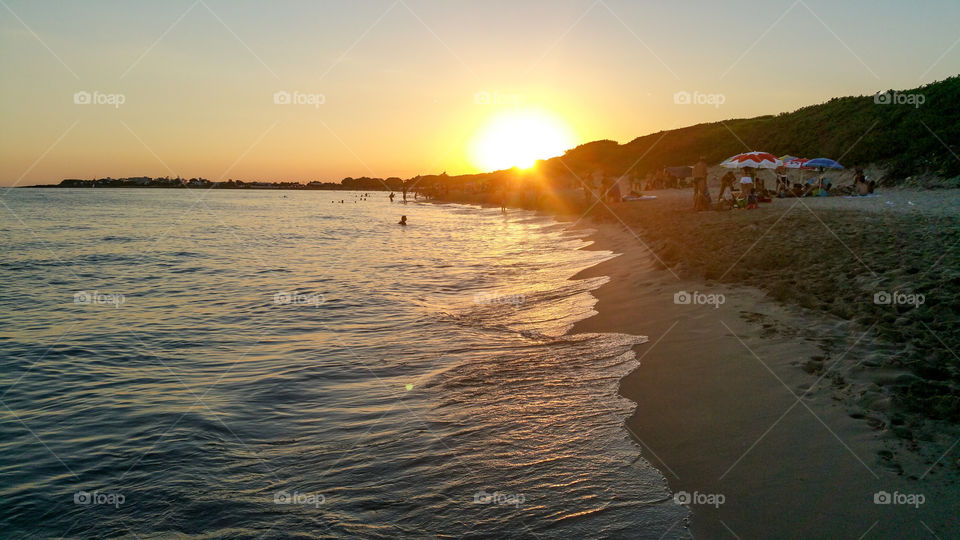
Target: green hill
{"x":920,"y":135}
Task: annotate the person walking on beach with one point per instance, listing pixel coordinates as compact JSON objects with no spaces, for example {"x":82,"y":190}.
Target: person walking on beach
{"x":699,"y":182}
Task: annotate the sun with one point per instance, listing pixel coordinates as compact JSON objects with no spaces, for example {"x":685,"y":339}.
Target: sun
{"x":518,"y":139}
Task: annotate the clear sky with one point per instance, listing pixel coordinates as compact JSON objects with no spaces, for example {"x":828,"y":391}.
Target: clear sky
{"x":401,"y":87}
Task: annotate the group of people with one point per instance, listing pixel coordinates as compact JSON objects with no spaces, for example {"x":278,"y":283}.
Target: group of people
{"x":662,"y":179}
{"x":752,"y":189}
{"x":751,"y":192}
{"x":607,"y":188}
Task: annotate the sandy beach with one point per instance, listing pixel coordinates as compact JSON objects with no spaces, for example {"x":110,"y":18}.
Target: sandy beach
{"x":724,"y":407}
{"x":791,"y":398}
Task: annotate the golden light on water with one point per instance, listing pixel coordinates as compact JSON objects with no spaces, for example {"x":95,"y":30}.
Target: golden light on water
{"x":519,"y":138}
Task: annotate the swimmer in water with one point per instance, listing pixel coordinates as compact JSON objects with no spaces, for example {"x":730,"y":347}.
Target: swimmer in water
{"x":403,"y":220}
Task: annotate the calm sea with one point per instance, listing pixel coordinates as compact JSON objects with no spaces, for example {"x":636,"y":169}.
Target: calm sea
{"x":275,"y":364}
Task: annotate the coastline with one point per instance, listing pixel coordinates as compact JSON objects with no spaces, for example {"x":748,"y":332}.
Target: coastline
{"x":786,"y":405}
{"x":718,"y":412}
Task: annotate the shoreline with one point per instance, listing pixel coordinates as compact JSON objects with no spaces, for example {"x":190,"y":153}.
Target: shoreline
{"x":717,"y":412}
{"x":793,"y":413}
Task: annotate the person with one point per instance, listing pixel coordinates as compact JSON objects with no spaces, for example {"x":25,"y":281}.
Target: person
{"x":604,"y":188}
{"x":727,"y":201}
{"x":726,"y":182}
{"x":659,"y":180}
{"x":614,"y":194}
{"x":403,"y":220}
{"x":699,"y":181}
{"x":392,"y":195}
{"x":747,"y":187}
{"x":746,"y":183}
{"x":824,"y":188}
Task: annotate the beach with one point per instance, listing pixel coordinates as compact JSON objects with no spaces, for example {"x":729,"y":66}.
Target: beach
{"x":797,"y":416}
{"x":806,"y":392}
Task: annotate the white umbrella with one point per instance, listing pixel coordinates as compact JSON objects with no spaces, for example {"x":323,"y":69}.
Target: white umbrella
{"x":753,"y":160}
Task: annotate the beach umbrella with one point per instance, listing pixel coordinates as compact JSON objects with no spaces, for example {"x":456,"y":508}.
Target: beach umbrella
{"x":797,"y":163}
{"x":753,"y":160}
{"x":788,"y":158}
{"x":823,"y":163}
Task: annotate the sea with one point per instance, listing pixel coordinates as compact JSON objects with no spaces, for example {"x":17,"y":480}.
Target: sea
{"x":295,"y":364}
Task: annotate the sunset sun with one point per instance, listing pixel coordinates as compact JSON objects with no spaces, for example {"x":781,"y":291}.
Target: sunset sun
{"x":519,"y":139}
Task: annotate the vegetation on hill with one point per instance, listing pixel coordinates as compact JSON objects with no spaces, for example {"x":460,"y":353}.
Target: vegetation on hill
{"x":916,"y":133}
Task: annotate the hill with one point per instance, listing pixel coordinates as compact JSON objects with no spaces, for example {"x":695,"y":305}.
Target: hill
{"x":905,"y":132}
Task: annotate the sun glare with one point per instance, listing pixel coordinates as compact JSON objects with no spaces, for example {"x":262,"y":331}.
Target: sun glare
{"x":519,"y":139}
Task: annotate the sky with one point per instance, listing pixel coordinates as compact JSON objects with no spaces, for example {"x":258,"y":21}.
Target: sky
{"x":404,"y":87}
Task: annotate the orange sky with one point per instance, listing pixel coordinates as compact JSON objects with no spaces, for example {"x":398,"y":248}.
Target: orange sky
{"x":404,"y":87}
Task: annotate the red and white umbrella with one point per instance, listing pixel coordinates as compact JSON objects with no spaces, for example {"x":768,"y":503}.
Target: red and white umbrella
{"x":753,"y":160}
{"x":796,"y":163}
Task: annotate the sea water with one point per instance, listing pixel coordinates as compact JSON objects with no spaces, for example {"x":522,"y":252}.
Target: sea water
{"x":275,"y":364}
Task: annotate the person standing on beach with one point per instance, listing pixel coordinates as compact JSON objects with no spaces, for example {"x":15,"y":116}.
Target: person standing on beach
{"x":699,"y":182}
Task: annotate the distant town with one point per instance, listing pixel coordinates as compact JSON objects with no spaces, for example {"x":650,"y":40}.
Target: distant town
{"x":352,"y":184}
